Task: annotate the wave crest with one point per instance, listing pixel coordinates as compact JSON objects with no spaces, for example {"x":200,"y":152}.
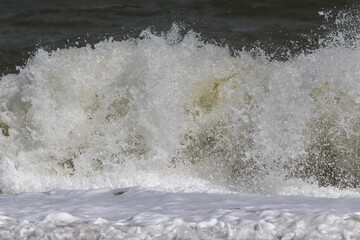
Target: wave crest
{"x":172,"y":111}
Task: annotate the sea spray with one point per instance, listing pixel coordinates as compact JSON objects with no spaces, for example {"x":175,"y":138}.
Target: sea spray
{"x":174,"y":112}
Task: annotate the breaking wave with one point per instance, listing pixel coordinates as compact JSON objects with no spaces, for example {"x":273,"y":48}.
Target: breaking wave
{"x":172,"y":111}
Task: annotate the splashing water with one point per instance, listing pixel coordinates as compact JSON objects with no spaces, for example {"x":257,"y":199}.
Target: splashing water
{"x":174,"y":112}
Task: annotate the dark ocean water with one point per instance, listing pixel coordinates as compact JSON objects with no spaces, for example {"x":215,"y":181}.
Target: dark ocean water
{"x":278,"y":26}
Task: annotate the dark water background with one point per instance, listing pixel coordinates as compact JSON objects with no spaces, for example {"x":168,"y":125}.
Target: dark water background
{"x":276,"y":25}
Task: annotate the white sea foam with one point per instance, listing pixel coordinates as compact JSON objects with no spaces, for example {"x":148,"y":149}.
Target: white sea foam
{"x":197,"y":127}
{"x":176,"y":113}
{"x":137,"y":213}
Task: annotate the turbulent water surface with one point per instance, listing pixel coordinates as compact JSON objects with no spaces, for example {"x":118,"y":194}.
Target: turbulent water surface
{"x":255,"y":97}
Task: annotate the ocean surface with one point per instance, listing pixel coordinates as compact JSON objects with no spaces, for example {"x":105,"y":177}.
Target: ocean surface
{"x":276,"y":25}
{"x":179,"y":119}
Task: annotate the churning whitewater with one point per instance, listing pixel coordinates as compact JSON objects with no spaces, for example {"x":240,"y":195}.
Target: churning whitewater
{"x":171,"y":136}
{"x":175,"y":112}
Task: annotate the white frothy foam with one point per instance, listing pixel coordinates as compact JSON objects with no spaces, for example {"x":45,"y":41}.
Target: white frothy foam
{"x":176,"y":113}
